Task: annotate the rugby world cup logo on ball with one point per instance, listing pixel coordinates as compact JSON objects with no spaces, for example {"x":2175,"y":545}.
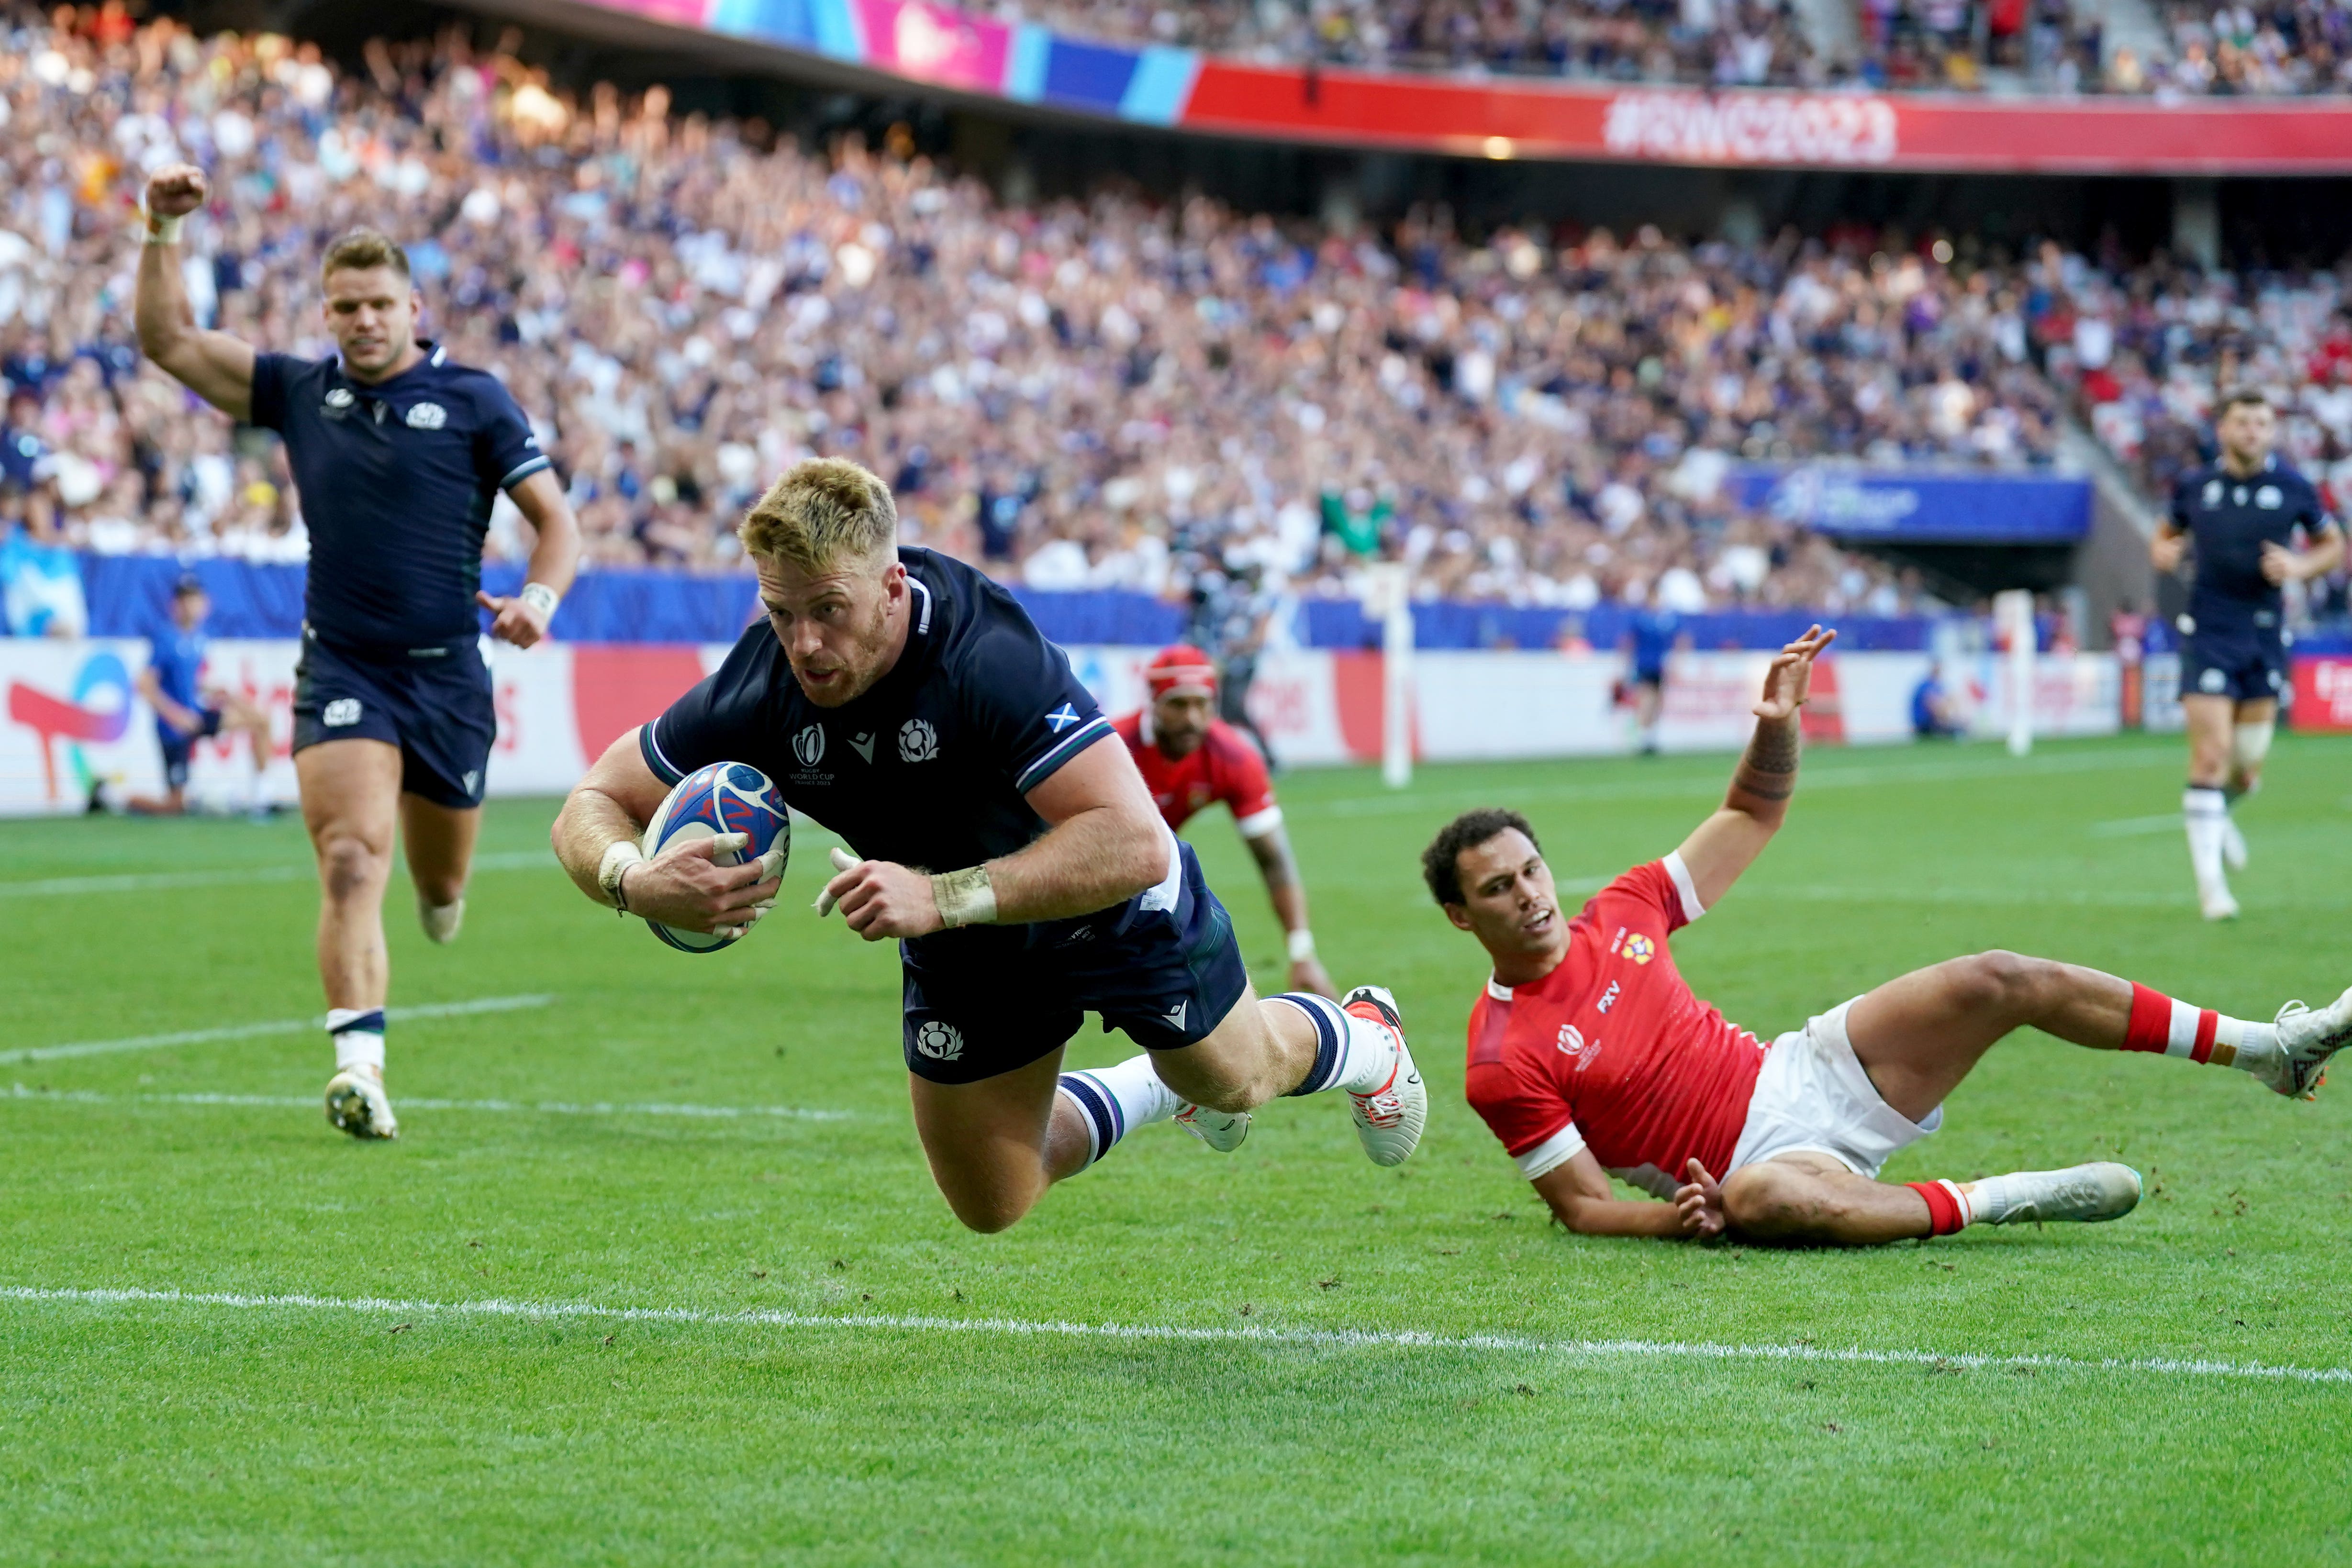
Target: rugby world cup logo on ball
{"x":724,"y":798}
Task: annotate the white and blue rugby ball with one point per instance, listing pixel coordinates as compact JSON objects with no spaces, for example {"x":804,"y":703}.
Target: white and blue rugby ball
{"x":724,"y":798}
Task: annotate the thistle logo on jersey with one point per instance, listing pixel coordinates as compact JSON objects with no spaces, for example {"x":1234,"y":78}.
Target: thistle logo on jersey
{"x":940,"y":1041}
{"x":809,"y":746}
{"x":2270,"y":497}
{"x":918,"y":741}
{"x":339,"y":398}
{"x":428,"y":416}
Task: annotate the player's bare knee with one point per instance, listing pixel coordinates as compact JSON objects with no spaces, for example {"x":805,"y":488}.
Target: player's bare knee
{"x":438,"y":888}
{"x":989,"y":1211}
{"x":1768,"y":1200}
{"x":1999,"y":981}
{"x":349,"y":865}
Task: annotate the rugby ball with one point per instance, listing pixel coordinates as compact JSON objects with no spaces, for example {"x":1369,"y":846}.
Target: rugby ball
{"x":724,"y":798}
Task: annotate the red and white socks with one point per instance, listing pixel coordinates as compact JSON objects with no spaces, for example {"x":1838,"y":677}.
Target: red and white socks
{"x":1949,"y":1207}
{"x":2160,"y":1024}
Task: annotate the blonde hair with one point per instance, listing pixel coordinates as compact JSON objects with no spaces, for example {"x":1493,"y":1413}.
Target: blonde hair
{"x":360,"y":249}
{"x":821,"y":510}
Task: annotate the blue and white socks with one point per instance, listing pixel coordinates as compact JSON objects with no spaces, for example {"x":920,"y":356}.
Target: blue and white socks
{"x":358,"y":1035}
{"x":1351,"y":1052}
{"x":1115,"y":1101}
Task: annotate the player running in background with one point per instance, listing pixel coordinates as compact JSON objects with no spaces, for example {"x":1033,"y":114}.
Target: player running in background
{"x":1590,"y":1057}
{"x":1007,"y":843}
{"x":2241,"y":513}
{"x":398,"y":454}
{"x":186,"y":711}
{"x":1650,"y":639}
{"x":1190,"y":758}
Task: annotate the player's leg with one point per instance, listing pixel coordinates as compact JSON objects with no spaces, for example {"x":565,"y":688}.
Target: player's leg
{"x":350,"y":793}
{"x":996,"y":1146}
{"x":439,"y":842}
{"x":240,"y":718}
{"x":1804,"y":1198}
{"x":173,"y":800}
{"x":2204,"y":805}
{"x":1917,"y":1036}
{"x":2252,"y":725}
{"x":1649,"y":702}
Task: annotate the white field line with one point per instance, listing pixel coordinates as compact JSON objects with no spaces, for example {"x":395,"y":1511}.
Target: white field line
{"x":1317,"y":1339}
{"x":409,"y":1103}
{"x":229,"y":876}
{"x":1861,"y":776}
{"x":266,"y":1026}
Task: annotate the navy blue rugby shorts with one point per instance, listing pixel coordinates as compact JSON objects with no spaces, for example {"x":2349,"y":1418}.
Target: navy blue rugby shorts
{"x":433,"y":703}
{"x":2244,"y":667}
{"x":992,"y":999}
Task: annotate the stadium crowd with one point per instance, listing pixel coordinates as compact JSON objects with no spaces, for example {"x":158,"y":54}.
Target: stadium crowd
{"x":1099,"y":394}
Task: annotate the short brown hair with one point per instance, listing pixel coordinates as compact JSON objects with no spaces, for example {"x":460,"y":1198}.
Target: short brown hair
{"x":2238,"y":395}
{"x":821,"y":510}
{"x":360,"y":249}
{"x":1441,"y":862}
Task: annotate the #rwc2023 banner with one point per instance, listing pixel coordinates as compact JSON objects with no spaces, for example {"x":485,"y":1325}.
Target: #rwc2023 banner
{"x":1519,"y":117}
{"x":73,"y":716}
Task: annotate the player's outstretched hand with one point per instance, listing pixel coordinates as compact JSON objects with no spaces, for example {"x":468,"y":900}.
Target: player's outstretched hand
{"x":681,"y":887}
{"x":881,"y":901}
{"x":1790,"y":679}
{"x":176,"y":190}
{"x":513,"y":621}
{"x":1698,"y":1203}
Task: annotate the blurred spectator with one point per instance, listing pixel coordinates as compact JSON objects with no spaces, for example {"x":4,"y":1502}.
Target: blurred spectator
{"x":40,"y":580}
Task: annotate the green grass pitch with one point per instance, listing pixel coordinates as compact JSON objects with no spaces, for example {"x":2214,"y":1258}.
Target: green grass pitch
{"x":551,"y":1156}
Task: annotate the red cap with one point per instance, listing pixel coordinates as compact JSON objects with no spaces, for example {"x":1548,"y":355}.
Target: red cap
{"x":1180,"y":667}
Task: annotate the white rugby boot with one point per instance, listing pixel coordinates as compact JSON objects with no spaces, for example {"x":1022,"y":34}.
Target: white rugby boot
{"x":1389,"y":1119}
{"x":2234,"y":844}
{"x":2215,"y":903}
{"x":2306,"y":1040}
{"x":2088,"y":1194}
{"x":1222,"y":1131}
{"x":357,"y":1104}
{"x":441,"y":921}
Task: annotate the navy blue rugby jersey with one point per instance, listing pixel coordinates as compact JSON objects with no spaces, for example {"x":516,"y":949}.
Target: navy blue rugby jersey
{"x":2229,"y":519}
{"x":932,"y":766}
{"x":396,"y":480}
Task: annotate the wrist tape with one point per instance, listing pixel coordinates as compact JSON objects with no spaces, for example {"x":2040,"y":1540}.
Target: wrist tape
{"x":541,"y":598}
{"x":965,"y":897}
{"x":1302,"y":946}
{"x":618,"y":859}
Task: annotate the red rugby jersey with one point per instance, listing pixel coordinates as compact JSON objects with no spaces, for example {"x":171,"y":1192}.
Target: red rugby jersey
{"x":1610,"y":1051}
{"x":1224,"y":766}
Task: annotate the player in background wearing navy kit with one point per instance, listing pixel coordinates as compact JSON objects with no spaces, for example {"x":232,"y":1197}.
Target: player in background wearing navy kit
{"x":1190,"y":758}
{"x":186,"y":711}
{"x":2241,"y":513}
{"x":1002,"y":837}
{"x":398,"y":454}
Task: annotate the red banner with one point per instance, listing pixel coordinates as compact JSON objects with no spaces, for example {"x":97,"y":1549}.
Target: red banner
{"x":1505,"y":118}
{"x":2323,"y":696}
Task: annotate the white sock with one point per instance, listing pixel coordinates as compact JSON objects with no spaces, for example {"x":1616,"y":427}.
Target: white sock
{"x":2255,"y":1047}
{"x":2207,"y":817}
{"x":1351,"y":1053}
{"x":441,"y":920}
{"x":358,"y":1034}
{"x":1114,"y":1101}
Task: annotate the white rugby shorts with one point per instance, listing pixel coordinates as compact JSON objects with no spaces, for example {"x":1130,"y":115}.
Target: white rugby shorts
{"x":1813,"y":1097}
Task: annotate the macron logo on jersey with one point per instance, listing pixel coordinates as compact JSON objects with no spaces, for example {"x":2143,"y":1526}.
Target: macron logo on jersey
{"x":1062,"y":717}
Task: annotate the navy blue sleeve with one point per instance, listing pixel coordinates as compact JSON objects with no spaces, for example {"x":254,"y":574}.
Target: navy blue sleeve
{"x":1025,"y":701}
{"x":270,"y":373}
{"x":719,"y":720}
{"x":2313,"y":517}
{"x":2180,"y":503}
{"x":505,"y":450}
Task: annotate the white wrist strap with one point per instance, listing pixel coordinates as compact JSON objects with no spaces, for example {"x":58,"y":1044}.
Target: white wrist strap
{"x":1302,"y":946}
{"x":965,"y":897}
{"x":159,"y":231}
{"x":618,"y":859}
{"x":541,"y":598}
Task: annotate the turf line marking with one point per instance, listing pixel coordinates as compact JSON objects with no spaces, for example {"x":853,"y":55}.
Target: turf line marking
{"x":267,"y":1026}
{"x":2133,"y":827}
{"x":161,"y":880}
{"x":1339,"y":1339}
{"x":409,"y":1103}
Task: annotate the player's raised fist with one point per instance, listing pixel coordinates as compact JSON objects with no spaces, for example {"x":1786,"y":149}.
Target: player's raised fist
{"x":513,"y":620}
{"x":176,"y":190}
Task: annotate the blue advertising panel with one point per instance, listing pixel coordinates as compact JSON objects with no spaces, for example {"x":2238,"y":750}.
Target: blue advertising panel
{"x":1919,"y":507}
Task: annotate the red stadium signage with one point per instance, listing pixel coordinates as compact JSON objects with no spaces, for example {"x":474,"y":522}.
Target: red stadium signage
{"x":1774,"y":129}
{"x":2323,"y":695}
